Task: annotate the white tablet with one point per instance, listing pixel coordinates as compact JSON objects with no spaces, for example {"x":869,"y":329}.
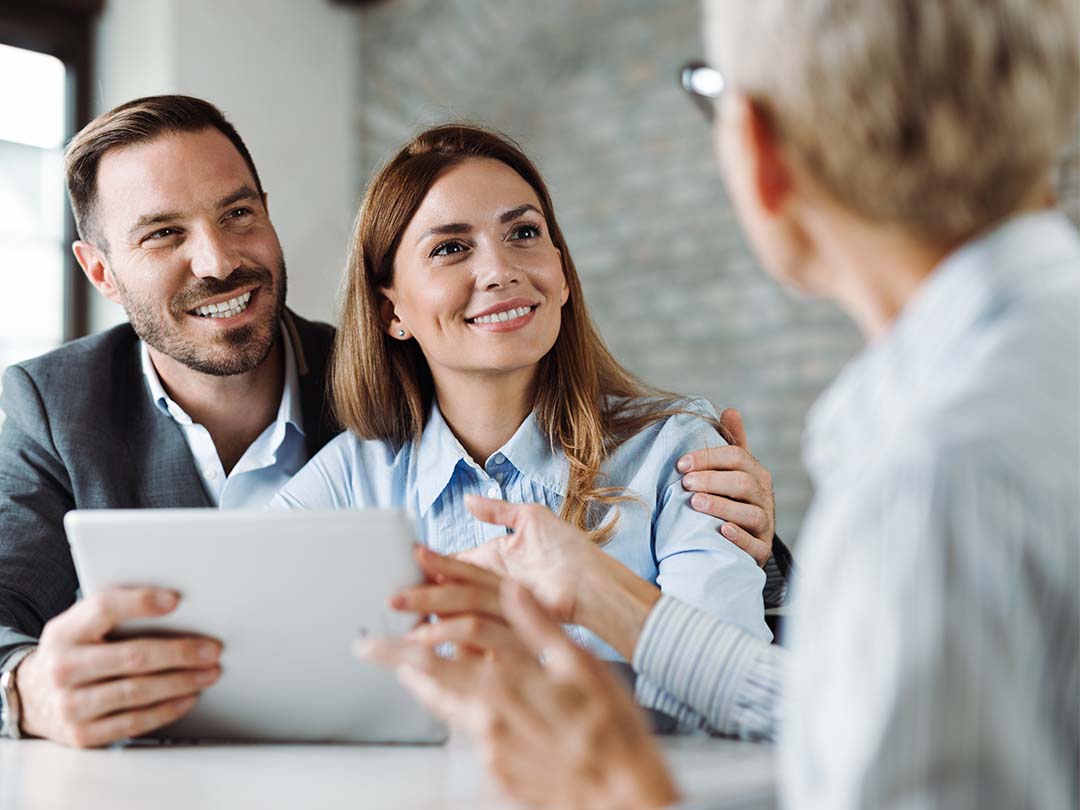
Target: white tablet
{"x":287,"y":593}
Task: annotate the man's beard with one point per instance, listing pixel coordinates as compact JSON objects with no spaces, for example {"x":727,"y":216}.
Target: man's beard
{"x":236,"y":351}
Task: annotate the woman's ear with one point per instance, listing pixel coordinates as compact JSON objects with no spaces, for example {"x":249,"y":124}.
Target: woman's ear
{"x":564,"y":295}
{"x":392,"y":324}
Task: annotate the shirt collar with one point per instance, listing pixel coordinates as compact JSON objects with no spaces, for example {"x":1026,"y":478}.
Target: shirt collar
{"x":288,"y":410}
{"x":971,"y":283}
{"x":439,"y":453}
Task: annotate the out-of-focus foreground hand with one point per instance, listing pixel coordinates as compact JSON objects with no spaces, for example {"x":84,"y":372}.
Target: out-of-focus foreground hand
{"x":81,"y":689}
{"x":562,"y":733}
{"x":729,"y":483}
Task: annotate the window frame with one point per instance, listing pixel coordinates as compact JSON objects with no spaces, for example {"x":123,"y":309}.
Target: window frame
{"x":64,"y":29}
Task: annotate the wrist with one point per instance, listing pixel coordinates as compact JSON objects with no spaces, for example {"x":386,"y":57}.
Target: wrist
{"x":12,"y":705}
{"x":614,"y":602}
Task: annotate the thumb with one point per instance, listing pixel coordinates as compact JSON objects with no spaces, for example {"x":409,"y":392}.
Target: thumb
{"x":492,"y":510}
{"x":732,"y":424}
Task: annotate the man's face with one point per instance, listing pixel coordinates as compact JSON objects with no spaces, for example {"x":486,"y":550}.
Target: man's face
{"x":191,"y":252}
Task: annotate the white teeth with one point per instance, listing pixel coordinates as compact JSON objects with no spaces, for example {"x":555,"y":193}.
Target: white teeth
{"x":506,"y":315}
{"x":226,"y":309}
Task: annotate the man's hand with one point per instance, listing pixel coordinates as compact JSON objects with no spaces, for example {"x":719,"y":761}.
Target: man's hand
{"x":559,"y":734}
{"x":78,"y":689}
{"x":731,"y":484}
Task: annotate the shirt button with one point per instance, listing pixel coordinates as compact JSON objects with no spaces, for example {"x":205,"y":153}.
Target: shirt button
{"x":494,"y":492}
{"x":498,"y":458}
{"x":211,"y":475}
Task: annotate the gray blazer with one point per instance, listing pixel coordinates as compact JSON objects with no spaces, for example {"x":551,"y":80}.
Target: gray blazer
{"x":82,"y":432}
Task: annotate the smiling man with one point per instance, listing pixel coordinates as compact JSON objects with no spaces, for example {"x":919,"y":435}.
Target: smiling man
{"x":212,"y":395}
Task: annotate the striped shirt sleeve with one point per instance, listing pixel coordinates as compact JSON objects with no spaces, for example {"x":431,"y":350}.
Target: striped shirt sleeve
{"x":708,"y":673}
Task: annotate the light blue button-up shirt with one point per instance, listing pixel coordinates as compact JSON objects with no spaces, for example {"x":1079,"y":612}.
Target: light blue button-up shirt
{"x":267,"y":464}
{"x":659,"y":536}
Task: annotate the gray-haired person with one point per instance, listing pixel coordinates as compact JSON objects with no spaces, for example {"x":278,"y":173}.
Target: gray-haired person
{"x":895,"y":157}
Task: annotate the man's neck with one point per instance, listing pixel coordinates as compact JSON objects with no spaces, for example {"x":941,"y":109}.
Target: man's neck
{"x":484,"y":412}
{"x":234,"y":409}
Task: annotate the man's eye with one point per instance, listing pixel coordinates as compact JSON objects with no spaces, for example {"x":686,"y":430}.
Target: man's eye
{"x":162,"y":233}
{"x":238,"y":213}
{"x":449,"y":248}
{"x":525,"y":232}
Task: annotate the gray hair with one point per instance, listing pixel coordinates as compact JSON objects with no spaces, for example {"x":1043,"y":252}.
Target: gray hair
{"x":942,"y":116}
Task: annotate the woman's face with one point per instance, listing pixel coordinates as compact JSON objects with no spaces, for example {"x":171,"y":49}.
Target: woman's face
{"x":477,"y":281}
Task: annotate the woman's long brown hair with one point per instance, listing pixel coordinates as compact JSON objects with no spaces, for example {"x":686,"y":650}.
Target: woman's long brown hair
{"x":586,"y":403}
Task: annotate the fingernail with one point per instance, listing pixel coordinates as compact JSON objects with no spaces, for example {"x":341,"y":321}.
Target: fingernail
{"x":208,"y":652}
{"x":207,"y":677}
{"x":165,"y":599}
{"x":360,"y":647}
{"x":699,"y":501}
{"x":728,"y":531}
{"x":397,"y":601}
{"x":684,"y":464}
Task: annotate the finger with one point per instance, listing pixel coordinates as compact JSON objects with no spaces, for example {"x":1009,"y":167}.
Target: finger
{"x":723,"y":458}
{"x":134,"y":723}
{"x":735,"y":485}
{"x":472,"y":631}
{"x":758,"y":549}
{"x":490,"y":510}
{"x":446,"y":600}
{"x":539,"y":632}
{"x":731,"y":421}
{"x":747,"y":516}
{"x":91,"y":619}
{"x":125,"y":694}
{"x":141,"y":656}
{"x":437,"y":565}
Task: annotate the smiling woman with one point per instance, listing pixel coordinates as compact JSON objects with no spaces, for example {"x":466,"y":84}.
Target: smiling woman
{"x":467,"y":363}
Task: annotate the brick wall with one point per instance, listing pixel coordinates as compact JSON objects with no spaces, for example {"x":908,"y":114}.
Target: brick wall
{"x":588,"y":87}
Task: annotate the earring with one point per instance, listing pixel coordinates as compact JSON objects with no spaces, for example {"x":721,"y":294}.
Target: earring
{"x":401,"y":333}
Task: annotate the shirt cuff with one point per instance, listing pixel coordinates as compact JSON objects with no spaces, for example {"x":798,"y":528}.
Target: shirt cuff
{"x":775,"y":591}
{"x":12,"y":658}
{"x":705,"y":664}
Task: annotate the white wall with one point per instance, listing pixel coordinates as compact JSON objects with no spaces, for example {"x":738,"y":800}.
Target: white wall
{"x":283,"y":71}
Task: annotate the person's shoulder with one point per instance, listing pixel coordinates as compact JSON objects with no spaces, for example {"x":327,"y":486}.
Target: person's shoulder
{"x":80,"y":363}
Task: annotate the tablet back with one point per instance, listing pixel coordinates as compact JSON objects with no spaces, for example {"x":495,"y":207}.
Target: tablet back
{"x":287,"y":593}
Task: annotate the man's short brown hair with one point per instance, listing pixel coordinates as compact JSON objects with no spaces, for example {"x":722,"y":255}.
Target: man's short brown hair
{"x":138,"y":121}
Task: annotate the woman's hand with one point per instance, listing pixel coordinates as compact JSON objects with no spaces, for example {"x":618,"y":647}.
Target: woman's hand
{"x":563,"y":734}
{"x":546,"y":554}
{"x":729,"y":483}
{"x":574,"y":580}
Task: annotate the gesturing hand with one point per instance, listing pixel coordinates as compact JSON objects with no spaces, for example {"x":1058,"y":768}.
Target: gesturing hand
{"x":548,"y":555}
{"x":559,"y":734}
{"x":729,"y":483}
{"x":78,"y":689}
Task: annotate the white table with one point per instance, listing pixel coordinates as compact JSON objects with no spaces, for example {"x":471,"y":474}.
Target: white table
{"x":37,"y":775}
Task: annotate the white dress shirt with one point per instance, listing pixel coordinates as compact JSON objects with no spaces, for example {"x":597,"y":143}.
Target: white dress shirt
{"x":935,"y":645}
{"x":268,"y":463}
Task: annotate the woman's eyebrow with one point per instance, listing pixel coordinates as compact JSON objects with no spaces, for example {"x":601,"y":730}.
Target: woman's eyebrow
{"x":514,"y":213}
{"x":442,"y":230}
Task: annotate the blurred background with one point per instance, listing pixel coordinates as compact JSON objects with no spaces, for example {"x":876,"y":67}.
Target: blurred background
{"x":323,"y":92}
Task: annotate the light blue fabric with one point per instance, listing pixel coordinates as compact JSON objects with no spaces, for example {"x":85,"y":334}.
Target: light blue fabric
{"x":659,"y":536}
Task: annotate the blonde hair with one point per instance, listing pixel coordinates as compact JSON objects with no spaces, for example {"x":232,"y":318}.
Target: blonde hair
{"x":942,"y":117}
{"x":586,"y":403}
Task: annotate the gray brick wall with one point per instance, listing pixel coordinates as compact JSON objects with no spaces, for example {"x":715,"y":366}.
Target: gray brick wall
{"x":588,"y":88}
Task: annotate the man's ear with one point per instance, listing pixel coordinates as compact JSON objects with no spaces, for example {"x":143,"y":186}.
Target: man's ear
{"x":95,"y":265}
{"x":391,"y":323}
{"x":770,"y":176}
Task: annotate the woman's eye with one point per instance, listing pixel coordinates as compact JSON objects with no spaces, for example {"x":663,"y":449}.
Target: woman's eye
{"x":448,"y":249}
{"x":525,"y":232}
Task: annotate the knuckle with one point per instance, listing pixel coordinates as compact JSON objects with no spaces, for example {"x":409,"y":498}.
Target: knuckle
{"x":129,"y":691}
{"x":134,"y":658}
{"x":67,"y":707}
{"x":472,"y":626}
{"x":59,"y":673}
